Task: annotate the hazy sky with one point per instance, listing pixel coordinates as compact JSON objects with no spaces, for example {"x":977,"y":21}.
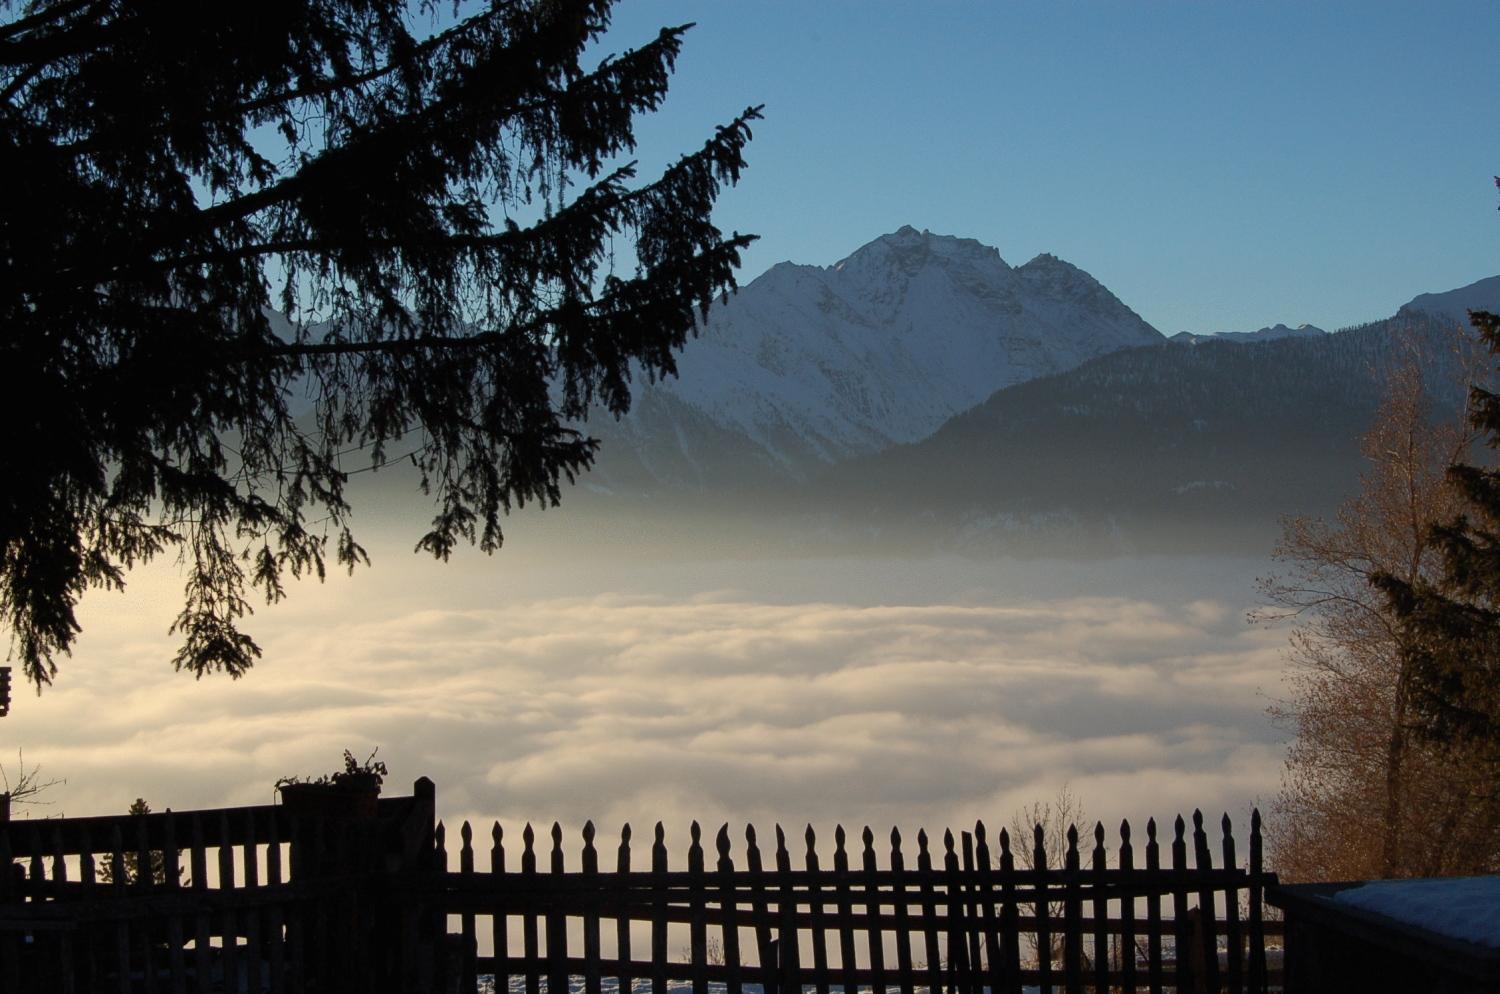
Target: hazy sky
{"x":1219,"y":166}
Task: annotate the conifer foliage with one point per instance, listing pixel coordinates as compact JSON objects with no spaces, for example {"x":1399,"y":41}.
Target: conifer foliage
{"x":436,"y":203}
{"x":1453,"y":626}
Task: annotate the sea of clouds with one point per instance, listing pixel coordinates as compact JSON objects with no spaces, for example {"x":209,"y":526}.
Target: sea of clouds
{"x":880,"y":692}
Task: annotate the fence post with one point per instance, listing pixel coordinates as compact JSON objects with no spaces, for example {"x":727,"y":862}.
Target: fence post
{"x":418,"y":932}
{"x":1195,"y":932}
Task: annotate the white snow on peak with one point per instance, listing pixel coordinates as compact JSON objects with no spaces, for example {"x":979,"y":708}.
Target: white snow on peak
{"x":820,"y":364}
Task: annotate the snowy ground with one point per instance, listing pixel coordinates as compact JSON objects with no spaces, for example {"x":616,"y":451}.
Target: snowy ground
{"x":1466,"y":908}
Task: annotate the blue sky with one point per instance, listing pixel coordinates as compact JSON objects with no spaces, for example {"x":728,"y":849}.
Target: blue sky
{"x":1219,"y":166}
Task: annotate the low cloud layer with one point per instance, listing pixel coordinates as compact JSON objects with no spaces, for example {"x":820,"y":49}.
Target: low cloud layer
{"x":684,"y":694}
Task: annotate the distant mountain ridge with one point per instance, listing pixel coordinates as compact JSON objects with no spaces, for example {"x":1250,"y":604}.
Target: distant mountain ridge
{"x":1158,"y":449}
{"x":1269,"y":334}
{"x":1149,"y":448}
{"x":1455,"y":304}
{"x":808,"y":366}
{"x":812,"y":414}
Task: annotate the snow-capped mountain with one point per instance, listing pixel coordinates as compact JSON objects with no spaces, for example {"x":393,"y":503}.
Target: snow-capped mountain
{"x":807,"y":366}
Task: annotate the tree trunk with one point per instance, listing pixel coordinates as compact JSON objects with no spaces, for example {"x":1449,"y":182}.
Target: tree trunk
{"x":1395,"y":756}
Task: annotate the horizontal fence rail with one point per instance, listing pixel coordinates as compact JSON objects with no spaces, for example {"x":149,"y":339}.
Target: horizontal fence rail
{"x":271,"y":899}
{"x":249,"y":899}
{"x":966,"y":920}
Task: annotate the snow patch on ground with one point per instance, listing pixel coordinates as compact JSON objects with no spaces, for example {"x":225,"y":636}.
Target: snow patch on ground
{"x":1466,"y":908}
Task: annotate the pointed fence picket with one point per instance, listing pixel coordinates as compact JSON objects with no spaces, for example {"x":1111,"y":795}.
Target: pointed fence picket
{"x":196,"y":902}
{"x":968,"y":921}
{"x":261,"y":899}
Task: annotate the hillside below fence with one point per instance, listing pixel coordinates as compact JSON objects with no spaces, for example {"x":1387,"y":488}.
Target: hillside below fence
{"x":270,"y":899}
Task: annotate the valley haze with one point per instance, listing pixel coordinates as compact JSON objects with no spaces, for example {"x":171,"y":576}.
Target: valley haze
{"x":915,"y":539}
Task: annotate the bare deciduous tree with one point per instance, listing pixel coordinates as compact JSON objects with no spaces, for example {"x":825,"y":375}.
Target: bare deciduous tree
{"x":1053,"y":818}
{"x":28,"y":786}
{"x":1362,"y":795}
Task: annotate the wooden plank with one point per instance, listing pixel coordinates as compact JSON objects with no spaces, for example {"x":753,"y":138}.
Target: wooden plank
{"x":433,"y":950}
{"x":229,"y":960}
{"x":1043,"y":913}
{"x":1182,"y":975}
{"x":659,"y":915}
{"x":875,"y":936}
{"x":276,"y":947}
{"x":973,"y":923}
{"x":529,"y":919}
{"x":698,"y":923}
{"x":66,"y":979}
{"x":145,"y":881}
{"x":198,"y":861}
{"x":92,"y":958}
{"x":717,"y":972}
{"x":1235,"y":976}
{"x":844,"y":911}
{"x":765,"y":952}
{"x":593,"y":981}
{"x":956,"y":921}
{"x":557,"y":928}
{"x":7,"y":861}
{"x":1153,"y":914}
{"x":1128,"y":982}
{"x":1209,"y":981}
{"x":622,"y":922}
{"x":730,"y":928}
{"x":255,"y":950}
{"x":467,"y":928}
{"x":78,"y":832}
{"x":10,"y":945}
{"x":788,"y":944}
{"x":1072,"y":917}
{"x":1138,"y":881}
{"x":1099,"y":864}
{"x":985,"y":896}
{"x":929,"y":918}
{"x":678,"y":911}
{"x":901,"y":910}
{"x":1258,"y":984}
{"x":1009,"y":979}
{"x":499,"y":923}
{"x":171,"y":866}
{"x":122,"y":929}
{"x":38,"y":849}
{"x":815,"y":898}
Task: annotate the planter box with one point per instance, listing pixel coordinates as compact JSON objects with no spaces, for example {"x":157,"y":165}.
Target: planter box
{"x":331,"y":800}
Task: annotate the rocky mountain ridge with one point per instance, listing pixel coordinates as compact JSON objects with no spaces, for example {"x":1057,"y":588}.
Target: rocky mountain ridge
{"x":808,"y":366}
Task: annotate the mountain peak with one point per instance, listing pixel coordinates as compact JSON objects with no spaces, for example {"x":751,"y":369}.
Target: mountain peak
{"x":910,"y":249}
{"x":807,"y":366}
{"x":1481,"y":295}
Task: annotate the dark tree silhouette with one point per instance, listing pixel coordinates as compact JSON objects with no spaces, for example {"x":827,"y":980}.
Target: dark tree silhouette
{"x":433,"y":202}
{"x":1453,"y":626}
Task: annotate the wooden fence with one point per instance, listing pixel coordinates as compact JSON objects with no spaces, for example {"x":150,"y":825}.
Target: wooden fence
{"x":236,"y":899}
{"x":262,"y":899}
{"x":967,"y":920}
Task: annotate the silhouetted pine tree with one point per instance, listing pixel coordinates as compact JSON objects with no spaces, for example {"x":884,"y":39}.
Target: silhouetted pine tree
{"x":436,"y":205}
{"x":1454,"y":625}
